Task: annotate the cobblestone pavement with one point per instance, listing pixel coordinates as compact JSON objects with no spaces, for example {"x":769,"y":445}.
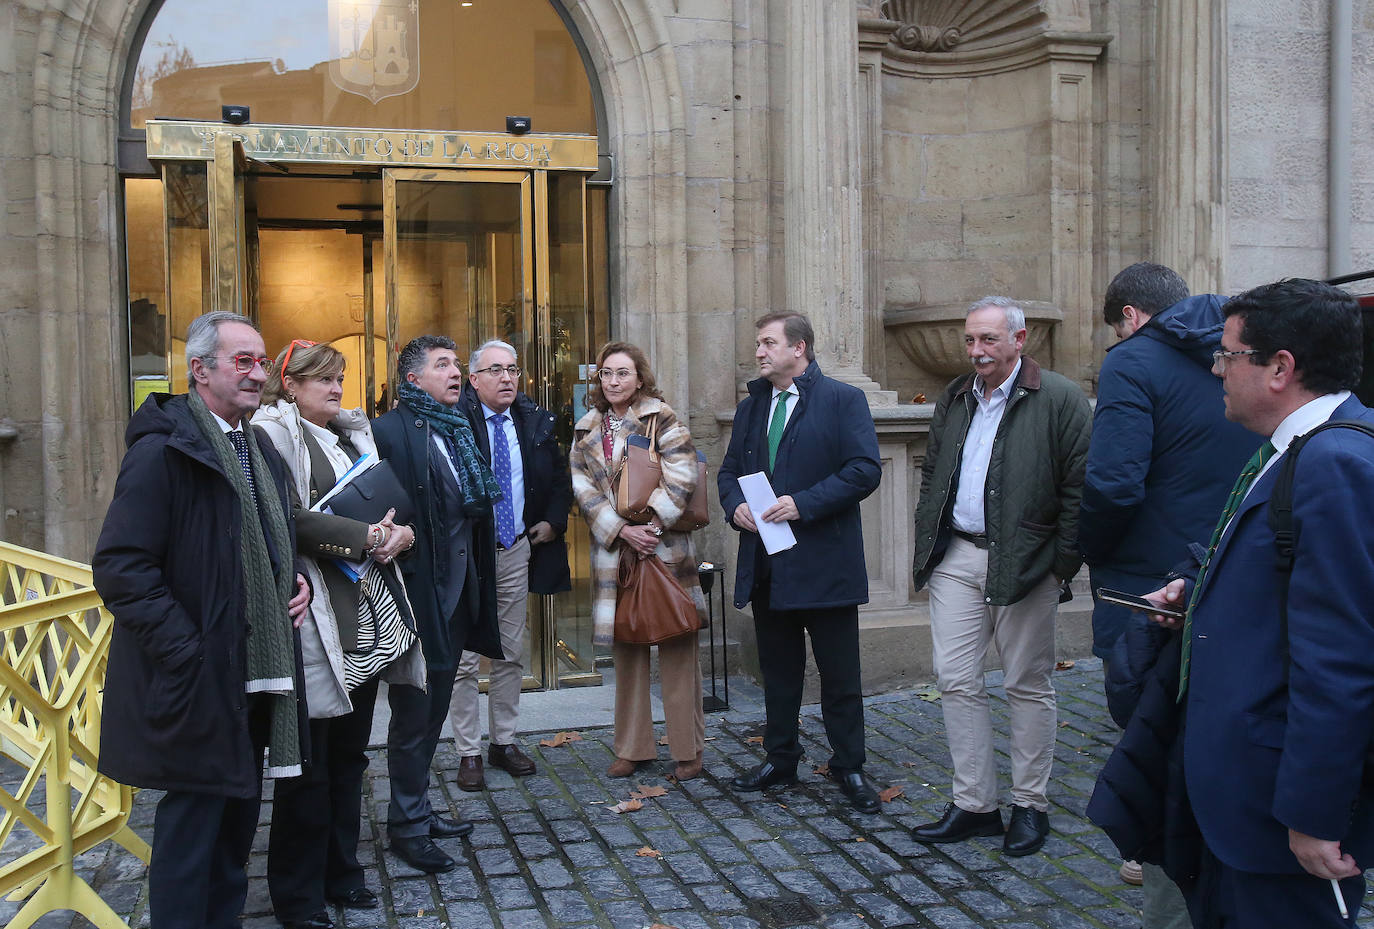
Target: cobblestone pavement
{"x":546,"y":851}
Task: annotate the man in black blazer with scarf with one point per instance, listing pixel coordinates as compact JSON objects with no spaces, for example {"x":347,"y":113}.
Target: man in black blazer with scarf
{"x":430,"y":445}
{"x":814,"y":437}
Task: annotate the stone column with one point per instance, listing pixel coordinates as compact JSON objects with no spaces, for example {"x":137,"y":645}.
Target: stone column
{"x":822,"y":187}
{"x":1189,"y":163}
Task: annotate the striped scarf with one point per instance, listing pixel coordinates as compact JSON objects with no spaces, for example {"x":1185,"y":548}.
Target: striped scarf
{"x":271,"y":645}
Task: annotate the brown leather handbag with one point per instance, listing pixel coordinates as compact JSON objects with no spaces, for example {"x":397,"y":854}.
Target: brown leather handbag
{"x":639,"y":473}
{"x":651,"y":606}
{"x":698,"y":511}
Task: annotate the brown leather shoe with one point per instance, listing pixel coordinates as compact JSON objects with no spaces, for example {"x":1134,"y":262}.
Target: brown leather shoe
{"x":510,"y":759}
{"x":470,"y":774}
{"x":621,"y":768}
{"x":686,"y":770}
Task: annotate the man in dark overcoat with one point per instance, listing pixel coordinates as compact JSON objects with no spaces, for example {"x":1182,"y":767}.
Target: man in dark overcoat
{"x":531,"y":552}
{"x":814,"y":438}
{"x":196,"y":564}
{"x":429,"y":443}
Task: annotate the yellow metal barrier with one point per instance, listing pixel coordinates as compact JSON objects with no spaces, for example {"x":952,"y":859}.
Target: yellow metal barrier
{"x":55,"y":639}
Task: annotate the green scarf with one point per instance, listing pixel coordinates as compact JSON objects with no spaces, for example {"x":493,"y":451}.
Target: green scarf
{"x":480,"y":489}
{"x":271,"y":645}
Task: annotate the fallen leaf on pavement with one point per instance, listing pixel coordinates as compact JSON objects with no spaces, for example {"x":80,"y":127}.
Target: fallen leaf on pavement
{"x":644,"y":793}
{"x":754,"y":740}
{"x":663,"y":741}
{"x":919,"y":398}
{"x":929,"y":694}
{"x":647,"y":852}
{"x":891,"y":793}
{"x":662,"y":926}
{"x":1063,"y":665}
{"x":861,"y":839}
{"x":625,"y":806}
{"x":823,"y":769}
{"x":563,"y":738}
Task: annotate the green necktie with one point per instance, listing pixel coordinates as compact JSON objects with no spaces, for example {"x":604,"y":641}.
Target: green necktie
{"x":1247,"y":477}
{"x":776,"y":426}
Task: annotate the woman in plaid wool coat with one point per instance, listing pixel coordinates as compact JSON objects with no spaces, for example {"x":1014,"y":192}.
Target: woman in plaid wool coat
{"x":624,"y":403}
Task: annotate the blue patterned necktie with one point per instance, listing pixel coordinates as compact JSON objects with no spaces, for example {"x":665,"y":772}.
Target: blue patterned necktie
{"x":500,"y":466}
{"x":1242,"y":486}
{"x":241,"y":447}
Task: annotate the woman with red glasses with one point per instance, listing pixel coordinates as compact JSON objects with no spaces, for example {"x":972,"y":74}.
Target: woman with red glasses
{"x":357,"y":632}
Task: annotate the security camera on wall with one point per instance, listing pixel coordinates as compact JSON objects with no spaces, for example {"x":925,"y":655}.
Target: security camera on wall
{"x":234,"y":114}
{"x":518,"y":125}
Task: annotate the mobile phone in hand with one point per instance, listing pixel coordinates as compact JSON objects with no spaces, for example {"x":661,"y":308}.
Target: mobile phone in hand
{"x":1140,"y":604}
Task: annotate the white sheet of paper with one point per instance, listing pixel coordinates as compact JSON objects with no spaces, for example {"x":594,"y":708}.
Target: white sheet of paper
{"x":758,"y":493}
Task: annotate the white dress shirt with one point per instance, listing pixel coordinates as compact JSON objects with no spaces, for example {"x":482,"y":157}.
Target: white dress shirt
{"x":1300,"y":422}
{"x":517,"y":464}
{"x":982,"y":433}
{"x":792,"y":398}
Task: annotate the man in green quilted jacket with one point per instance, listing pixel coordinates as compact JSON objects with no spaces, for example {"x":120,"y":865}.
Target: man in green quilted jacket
{"x":996,"y":539}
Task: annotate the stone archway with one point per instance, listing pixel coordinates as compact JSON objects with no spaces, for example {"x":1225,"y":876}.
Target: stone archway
{"x":80,"y":50}
{"x":78,"y":57}
{"x":631,"y":51}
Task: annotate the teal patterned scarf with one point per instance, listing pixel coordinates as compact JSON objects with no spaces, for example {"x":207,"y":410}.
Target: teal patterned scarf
{"x":480,"y":490}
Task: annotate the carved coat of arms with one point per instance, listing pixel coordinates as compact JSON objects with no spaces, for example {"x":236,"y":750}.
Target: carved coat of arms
{"x":374,"y":46}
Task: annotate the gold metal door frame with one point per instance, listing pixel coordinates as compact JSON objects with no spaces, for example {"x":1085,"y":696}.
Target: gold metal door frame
{"x":228,"y":287}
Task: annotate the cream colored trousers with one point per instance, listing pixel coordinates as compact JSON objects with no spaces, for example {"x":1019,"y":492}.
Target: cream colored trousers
{"x":962,"y":624}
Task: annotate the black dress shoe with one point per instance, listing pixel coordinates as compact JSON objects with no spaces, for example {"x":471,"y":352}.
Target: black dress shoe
{"x":1026,"y":832}
{"x":420,"y":852}
{"x":320,"y":920}
{"x":510,"y":759}
{"x":359,"y":898}
{"x":959,"y":824}
{"x":860,"y":792}
{"x":441,"y":827}
{"x":764,"y":775}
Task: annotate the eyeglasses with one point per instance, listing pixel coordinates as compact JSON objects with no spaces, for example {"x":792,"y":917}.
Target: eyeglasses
{"x":498,"y":370}
{"x":1220,"y":355}
{"x":286,"y":362}
{"x":244,"y":363}
{"x":619,"y":374}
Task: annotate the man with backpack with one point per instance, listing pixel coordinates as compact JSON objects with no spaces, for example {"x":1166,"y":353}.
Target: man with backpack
{"x":1277,"y":667}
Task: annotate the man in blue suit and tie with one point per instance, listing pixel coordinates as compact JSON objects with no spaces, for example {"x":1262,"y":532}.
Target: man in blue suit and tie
{"x":1279,"y":718}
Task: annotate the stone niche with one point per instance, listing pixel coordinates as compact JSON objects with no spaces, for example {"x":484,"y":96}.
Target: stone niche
{"x":982,"y":147}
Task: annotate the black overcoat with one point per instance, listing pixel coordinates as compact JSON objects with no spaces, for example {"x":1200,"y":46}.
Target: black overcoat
{"x":168,"y":568}
{"x":548,"y":486}
{"x":403,"y":438}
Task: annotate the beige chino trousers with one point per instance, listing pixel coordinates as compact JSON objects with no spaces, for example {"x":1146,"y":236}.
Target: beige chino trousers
{"x":506,"y":676}
{"x":962,"y":624}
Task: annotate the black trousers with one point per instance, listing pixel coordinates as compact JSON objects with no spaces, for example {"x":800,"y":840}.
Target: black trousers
{"x":197,"y":877}
{"x":416,"y":718}
{"x":781,"y":636}
{"x":1225,"y":898}
{"x":312,"y":850}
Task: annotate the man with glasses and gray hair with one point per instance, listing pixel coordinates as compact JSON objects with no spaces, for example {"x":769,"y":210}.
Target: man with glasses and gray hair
{"x":196,"y":562}
{"x":518,"y":439}
{"x":996,"y":537}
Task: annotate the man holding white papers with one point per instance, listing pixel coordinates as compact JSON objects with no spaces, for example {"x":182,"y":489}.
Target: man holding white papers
{"x":813,"y":438}
{"x":996,"y":535}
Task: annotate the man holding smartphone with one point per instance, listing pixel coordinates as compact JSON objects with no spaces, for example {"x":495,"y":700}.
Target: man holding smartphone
{"x":1161,"y":462}
{"x":1277,"y":685}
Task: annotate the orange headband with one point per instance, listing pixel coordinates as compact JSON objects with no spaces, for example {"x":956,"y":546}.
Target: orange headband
{"x":285,"y":362}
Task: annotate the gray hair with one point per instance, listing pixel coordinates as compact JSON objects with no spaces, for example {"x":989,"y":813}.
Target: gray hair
{"x":492,"y":343}
{"x":1016,"y":317}
{"x":202,"y":338}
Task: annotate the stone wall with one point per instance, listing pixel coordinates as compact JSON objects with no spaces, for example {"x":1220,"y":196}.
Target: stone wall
{"x":1279,"y":83}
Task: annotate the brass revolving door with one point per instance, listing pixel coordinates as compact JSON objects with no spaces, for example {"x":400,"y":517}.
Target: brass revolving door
{"x":368,"y":238}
